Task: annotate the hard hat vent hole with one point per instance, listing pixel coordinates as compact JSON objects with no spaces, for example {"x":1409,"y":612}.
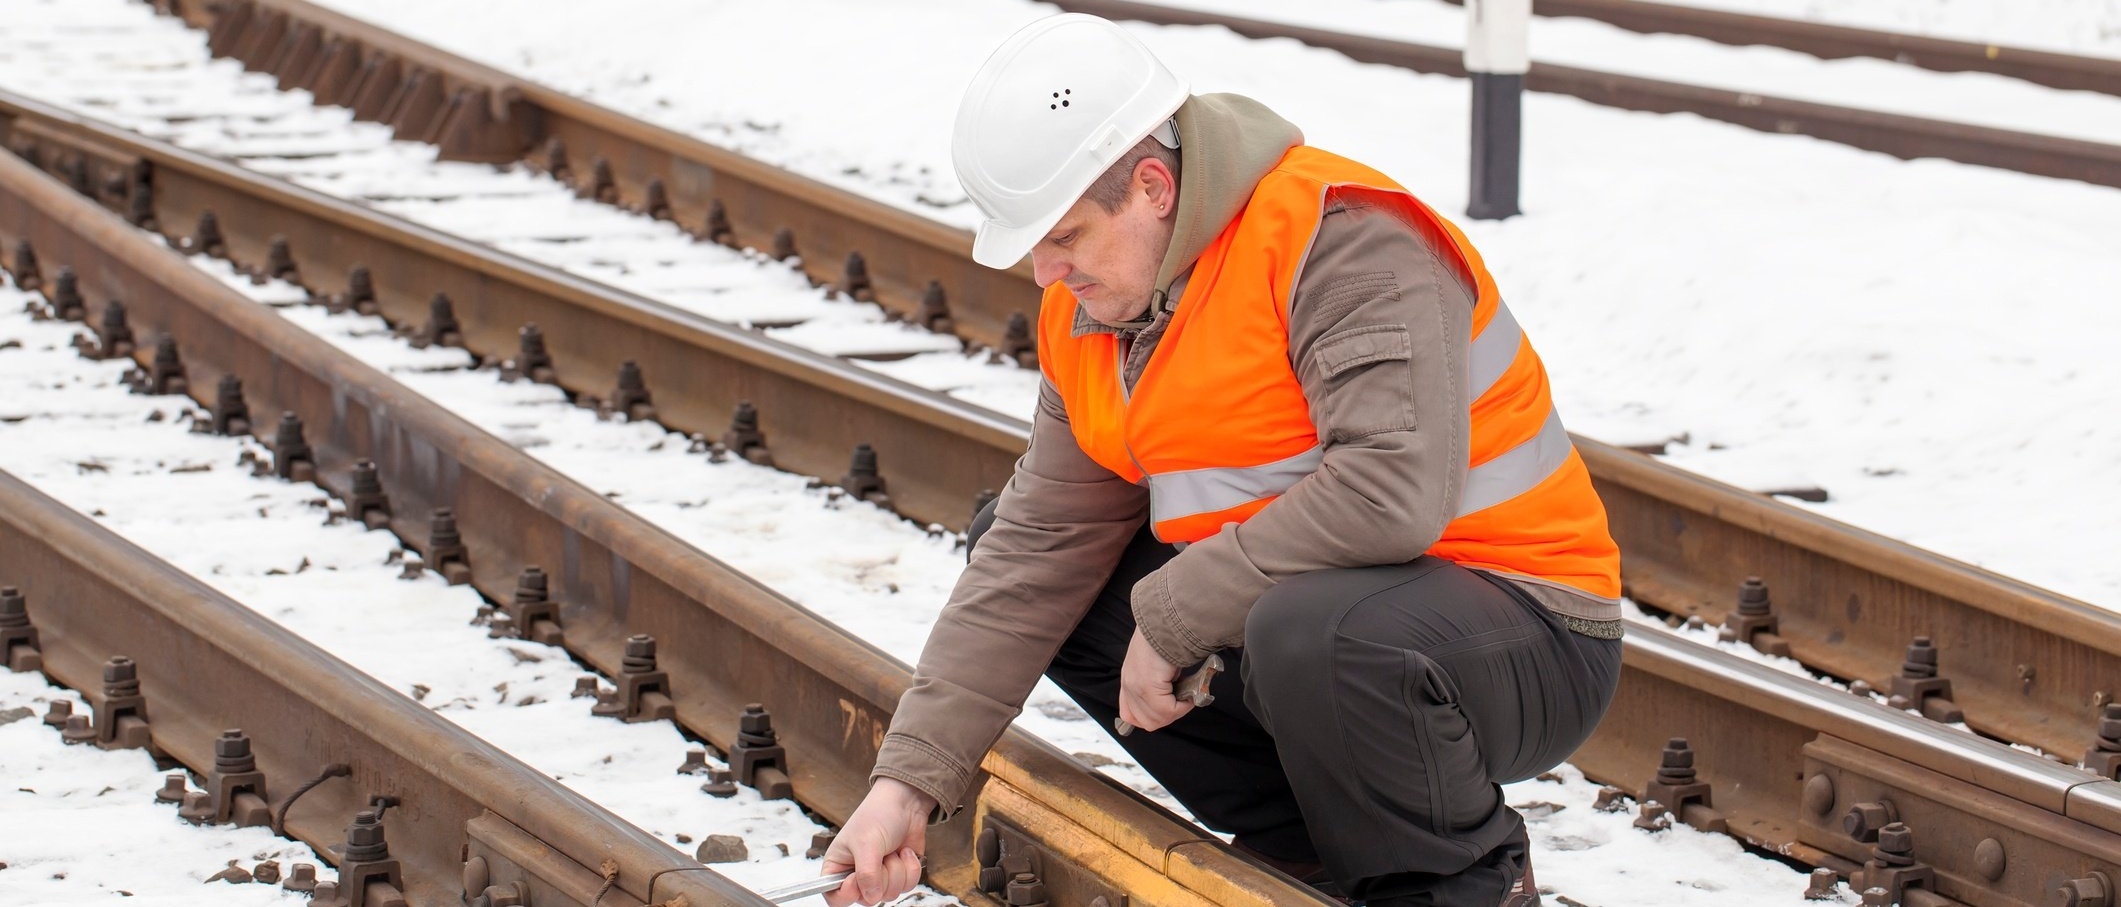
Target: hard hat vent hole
{"x":1063,"y":103}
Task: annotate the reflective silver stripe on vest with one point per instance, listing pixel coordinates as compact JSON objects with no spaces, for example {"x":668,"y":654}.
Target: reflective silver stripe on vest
{"x":1518,"y":469}
{"x":1492,"y":352}
{"x":1174,"y":495}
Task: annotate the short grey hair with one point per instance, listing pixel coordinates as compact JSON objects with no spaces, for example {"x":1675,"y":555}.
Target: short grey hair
{"x":1109,"y":191}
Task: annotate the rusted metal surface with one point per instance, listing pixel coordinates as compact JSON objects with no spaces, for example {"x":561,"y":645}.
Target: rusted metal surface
{"x":725,"y":641}
{"x":206,"y":663}
{"x":1894,"y":134}
{"x":1839,"y":41}
{"x":936,"y":451}
{"x":1782,"y":762}
{"x":2026,"y":665}
{"x":653,"y":170}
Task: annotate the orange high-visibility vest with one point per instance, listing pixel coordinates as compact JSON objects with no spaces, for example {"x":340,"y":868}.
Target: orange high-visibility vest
{"x":1218,"y":427}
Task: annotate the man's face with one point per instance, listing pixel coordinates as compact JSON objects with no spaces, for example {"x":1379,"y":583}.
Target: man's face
{"x":1109,"y":259}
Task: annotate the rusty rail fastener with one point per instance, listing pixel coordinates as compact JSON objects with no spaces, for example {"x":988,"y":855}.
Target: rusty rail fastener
{"x":758,"y":760}
{"x":292,"y":460}
{"x":1824,"y":886}
{"x":862,"y":479}
{"x":1864,"y":821}
{"x":1017,"y":342}
{"x":120,"y":711}
{"x":556,"y":160}
{"x":1754,"y":622}
{"x":279,"y":263}
{"x":235,"y":789}
{"x":57,"y":713}
{"x":2096,"y":889}
{"x":531,"y":612}
{"x":602,"y":187}
{"x":19,"y":648}
{"x":643,"y":692}
{"x":115,"y":338}
{"x":2104,"y":756}
{"x":206,"y":237}
{"x":744,"y":437}
{"x":441,"y":328}
{"x":1026,"y":890}
{"x":1893,"y":866}
{"x":365,"y":862}
{"x":67,"y":304}
{"x":718,"y":229}
{"x":819,"y":843}
{"x":934,"y":312}
{"x":1918,"y":687}
{"x":446,"y":553}
{"x":784,"y":245}
{"x":140,"y":206}
{"x":631,"y":398}
{"x":987,"y":850}
{"x":532,"y":360}
{"x":854,"y":281}
{"x":24,"y":269}
{"x":655,"y":202}
{"x":231,"y":415}
{"x":1680,"y":789}
{"x":367,"y":502}
{"x":360,"y":295}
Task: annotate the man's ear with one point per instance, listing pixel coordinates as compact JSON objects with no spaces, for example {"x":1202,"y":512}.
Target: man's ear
{"x":1155,"y":182}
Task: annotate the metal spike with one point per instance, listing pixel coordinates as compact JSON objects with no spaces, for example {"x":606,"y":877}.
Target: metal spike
{"x":718,"y":229}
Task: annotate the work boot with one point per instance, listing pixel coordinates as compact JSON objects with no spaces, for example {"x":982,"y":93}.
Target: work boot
{"x":1525,"y":891}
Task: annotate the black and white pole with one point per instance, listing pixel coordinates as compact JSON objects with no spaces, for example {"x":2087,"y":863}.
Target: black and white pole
{"x":1496,"y":61}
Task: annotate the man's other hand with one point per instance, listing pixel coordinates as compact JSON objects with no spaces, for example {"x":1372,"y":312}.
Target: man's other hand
{"x":1145,"y":698}
{"x":882,"y":842}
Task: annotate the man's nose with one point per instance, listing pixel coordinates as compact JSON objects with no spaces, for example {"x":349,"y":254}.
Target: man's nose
{"x":1047,"y":268}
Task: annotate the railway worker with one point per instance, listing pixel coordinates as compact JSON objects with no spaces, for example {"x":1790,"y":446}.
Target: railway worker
{"x":1285,"y":418}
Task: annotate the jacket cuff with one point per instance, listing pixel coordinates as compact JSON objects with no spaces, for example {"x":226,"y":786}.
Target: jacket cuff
{"x":928,"y":769}
{"x":1196,"y":603}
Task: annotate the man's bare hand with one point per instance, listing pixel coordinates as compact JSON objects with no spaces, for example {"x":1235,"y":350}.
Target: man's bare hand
{"x":882,"y":842}
{"x":1145,"y":698}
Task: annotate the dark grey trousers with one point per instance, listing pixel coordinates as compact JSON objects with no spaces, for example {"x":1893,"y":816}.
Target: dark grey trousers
{"x":1368,"y":721}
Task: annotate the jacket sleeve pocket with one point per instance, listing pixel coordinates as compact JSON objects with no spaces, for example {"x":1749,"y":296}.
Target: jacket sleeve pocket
{"x":1364,"y":377}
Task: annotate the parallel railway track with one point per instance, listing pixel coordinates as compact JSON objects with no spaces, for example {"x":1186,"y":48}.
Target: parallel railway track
{"x":200,"y":663}
{"x":1688,"y":541}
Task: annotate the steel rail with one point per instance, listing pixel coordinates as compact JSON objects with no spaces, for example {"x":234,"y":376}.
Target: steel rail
{"x":206,"y":663}
{"x":2055,"y":70}
{"x":2028,"y":665}
{"x":477,"y":113}
{"x":725,"y":641}
{"x":1900,"y":136}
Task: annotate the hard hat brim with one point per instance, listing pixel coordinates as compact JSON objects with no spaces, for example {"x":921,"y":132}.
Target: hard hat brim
{"x":1000,"y":246}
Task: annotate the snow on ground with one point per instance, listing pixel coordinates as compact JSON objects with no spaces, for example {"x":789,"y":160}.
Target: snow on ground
{"x":883,"y":580}
{"x":265,"y":543}
{"x":1929,"y":342}
{"x":1861,"y":82}
{"x":2088,"y":27}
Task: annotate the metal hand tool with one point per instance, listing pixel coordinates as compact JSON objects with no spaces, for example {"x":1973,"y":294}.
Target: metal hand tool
{"x":819,"y":885}
{"x":1192,"y":688}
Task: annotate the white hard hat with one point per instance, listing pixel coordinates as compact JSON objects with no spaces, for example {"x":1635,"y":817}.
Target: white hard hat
{"x":1051,"y":109}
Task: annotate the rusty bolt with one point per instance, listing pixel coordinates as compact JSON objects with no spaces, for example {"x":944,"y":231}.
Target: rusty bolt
{"x":78,"y":730}
{"x":1611,"y":800}
{"x":1825,"y":886}
{"x":1025,"y":890}
{"x":206,"y":237}
{"x":1753,"y":598}
{"x":755,"y":726}
{"x":862,"y":479}
{"x":140,"y":207}
{"x":1654,"y":817}
{"x":1861,"y":688}
{"x":368,"y":502}
{"x":2110,"y":728}
{"x":744,"y":437}
{"x":117,"y":335}
{"x":442,"y":328}
{"x":2096,"y":889}
{"x":531,"y":586}
{"x":231,"y":414}
{"x":855,"y":281}
{"x":1678,"y":765}
{"x":1819,"y":794}
{"x":819,"y":841}
{"x":719,"y":783}
{"x":1017,"y":342}
{"x":1877,"y":897}
{"x":532,"y":359}
{"x":608,"y":705}
{"x":556,"y":159}
{"x":58,"y":712}
{"x":783,"y":244}
{"x":585,"y":687}
{"x":14,"y":608}
{"x":291,"y":456}
{"x":656,"y":204}
{"x":1896,"y":845}
{"x":1989,"y":859}
{"x":1921,"y":662}
{"x":121,"y":677}
{"x":324,"y":892}
{"x":303,"y":878}
{"x":172,"y":788}
{"x":631,"y":399}
{"x":602,"y":186}
{"x":166,"y":374}
{"x":718,"y":230}
{"x":934,"y":313}
{"x":232,"y":753}
{"x":66,"y":296}
{"x":280,"y":261}
{"x":640,"y":654}
{"x":197,"y":808}
{"x":365,"y":842}
{"x":695,"y":762}
{"x":25,"y":267}
{"x":360,"y":291}
{"x":1863,"y":821}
